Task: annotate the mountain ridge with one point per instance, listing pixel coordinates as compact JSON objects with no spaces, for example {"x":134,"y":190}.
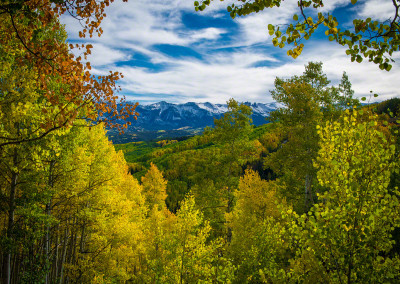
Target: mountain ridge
{"x":168,"y":120}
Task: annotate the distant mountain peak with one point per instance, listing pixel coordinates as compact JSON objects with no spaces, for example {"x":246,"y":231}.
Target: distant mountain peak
{"x":171,"y":117}
{"x":168,"y":116}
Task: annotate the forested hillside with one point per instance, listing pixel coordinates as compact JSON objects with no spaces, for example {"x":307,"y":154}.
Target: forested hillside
{"x":312,"y":197}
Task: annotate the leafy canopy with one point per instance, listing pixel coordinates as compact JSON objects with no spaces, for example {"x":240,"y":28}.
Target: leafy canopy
{"x":31,"y":35}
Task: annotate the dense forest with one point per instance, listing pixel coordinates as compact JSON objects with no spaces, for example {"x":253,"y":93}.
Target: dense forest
{"x":311,"y":197}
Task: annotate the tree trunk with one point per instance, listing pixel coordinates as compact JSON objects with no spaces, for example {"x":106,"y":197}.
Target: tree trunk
{"x":182,"y":261}
{"x":11,"y":219}
{"x":63,"y":256}
{"x":48,"y":212}
{"x":306,"y":194}
{"x":308,"y":198}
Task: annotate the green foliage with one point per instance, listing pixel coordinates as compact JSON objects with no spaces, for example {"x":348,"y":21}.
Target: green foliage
{"x":234,"y":125}
{"x":307,"y":101}
{"x":346,"y":93}
{"x":232,"y":132}
{"x":134,"y":151}
{"x":346,"y":237}
{"x":179,"y":249}
{"x":391,"y":106}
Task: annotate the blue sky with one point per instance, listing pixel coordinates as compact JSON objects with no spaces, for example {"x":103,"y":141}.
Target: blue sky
{"x":169,"y":52}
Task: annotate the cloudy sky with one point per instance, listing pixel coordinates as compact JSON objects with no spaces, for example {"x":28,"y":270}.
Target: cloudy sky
{"x":169,"y":52}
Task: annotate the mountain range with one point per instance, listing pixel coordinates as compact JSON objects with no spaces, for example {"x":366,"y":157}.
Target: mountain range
{"x":168,"y":120}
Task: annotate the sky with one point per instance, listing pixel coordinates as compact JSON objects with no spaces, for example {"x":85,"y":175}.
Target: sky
{"x":169,"y":52}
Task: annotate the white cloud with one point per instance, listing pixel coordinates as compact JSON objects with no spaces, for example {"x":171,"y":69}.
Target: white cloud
{"x":103,"y":55}
{"x":331,"y":5}
{"x":142,"y":22}
{"x":194,"y":80}
{"x":244,"y":58}
{"x":365,"y":76}
{"x":135,"y":27}
{"x":380,"y":10}
{"x":146,"y":23}
{"x":208,"y":33}
{"x":231,"y":75}
{"x":254,"y":27}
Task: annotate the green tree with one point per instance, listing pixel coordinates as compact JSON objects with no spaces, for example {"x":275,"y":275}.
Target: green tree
{"x":371,"y":39}
{"x":346,"y":93}
{"x":232,"y":131}
{"x":307,"y":100}
{"x":346,"y":237}
{"x":233,"y":150}
{"x":234,"y":125}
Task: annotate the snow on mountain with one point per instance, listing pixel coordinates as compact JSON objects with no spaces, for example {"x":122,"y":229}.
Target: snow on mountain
{"x":168,"y":116}
{"x":215,"y":109}
{"x":164,"y":120}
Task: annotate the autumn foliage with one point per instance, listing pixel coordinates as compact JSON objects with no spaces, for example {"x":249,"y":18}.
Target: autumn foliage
{"x":32,"y":33}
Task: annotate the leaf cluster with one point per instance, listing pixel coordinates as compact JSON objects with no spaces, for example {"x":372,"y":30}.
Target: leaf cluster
{"x":367,"y":38}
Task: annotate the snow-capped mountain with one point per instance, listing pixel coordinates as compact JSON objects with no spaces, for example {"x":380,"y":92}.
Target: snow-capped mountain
{"x":169,"y":120}
{"x":168,"y":116}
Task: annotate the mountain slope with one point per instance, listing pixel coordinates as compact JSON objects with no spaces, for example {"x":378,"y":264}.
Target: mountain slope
{"x":167,"y":120}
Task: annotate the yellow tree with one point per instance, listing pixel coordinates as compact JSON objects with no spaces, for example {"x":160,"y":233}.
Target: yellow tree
{"x":99,"y":208}
{"x":41,"y":97}
{"x":181,"y":250}
{"x":191,"y":255}
{"x":154,"y":188}
{"x":21,"y":115}
{"x":252,"y":220}
{"x":78,"y":214}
